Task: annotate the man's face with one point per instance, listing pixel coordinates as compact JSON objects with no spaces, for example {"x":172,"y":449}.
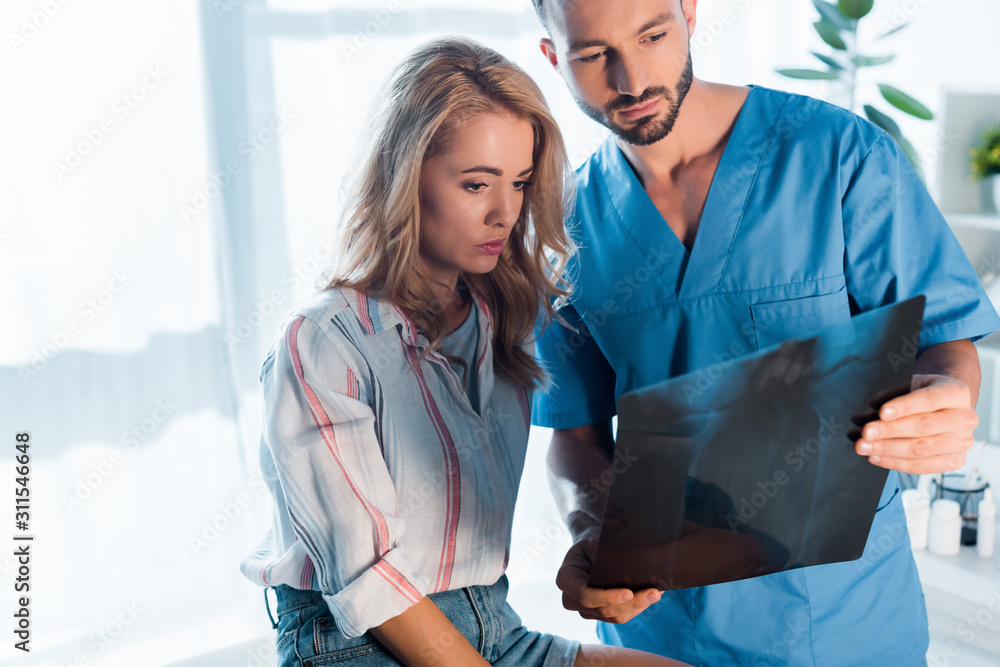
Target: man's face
{"x":627,"y":62}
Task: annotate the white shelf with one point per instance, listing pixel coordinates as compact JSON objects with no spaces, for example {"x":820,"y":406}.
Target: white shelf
{"x":957,"y":588}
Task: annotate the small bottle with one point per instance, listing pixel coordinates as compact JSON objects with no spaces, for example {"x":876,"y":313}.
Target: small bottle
{"x":944,"y":536}
{"x":924,"y":484}
{"x":917,"y":507}
{"x":986,"y":524}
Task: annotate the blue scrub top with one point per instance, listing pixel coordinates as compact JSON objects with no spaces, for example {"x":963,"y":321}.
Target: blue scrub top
{"x":814,"y":215}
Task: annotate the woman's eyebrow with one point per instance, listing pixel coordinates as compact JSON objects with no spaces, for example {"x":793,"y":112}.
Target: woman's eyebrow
{"x":484,"y":169}
{"x":493,"y":170}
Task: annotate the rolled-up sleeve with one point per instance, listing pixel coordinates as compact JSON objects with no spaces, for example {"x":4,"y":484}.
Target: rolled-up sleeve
{"x":340,"y":496}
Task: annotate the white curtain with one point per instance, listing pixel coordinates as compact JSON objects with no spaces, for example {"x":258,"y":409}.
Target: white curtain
{"x":169,"y":175}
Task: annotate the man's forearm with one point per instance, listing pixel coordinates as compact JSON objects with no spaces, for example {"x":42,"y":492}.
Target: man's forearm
{"x":577,"y":460}
{"x":957,"y":359}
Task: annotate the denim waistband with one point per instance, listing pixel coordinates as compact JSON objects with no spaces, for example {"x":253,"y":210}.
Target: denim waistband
{"x":290,"y":599}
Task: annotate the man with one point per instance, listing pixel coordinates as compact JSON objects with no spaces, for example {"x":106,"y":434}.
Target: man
{"x":718,"y":220}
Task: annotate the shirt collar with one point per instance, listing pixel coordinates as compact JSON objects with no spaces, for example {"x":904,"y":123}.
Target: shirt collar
{"x":377,"y":316}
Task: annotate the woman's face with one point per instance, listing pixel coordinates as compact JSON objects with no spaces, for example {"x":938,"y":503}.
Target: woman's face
{"x":471,"y":194}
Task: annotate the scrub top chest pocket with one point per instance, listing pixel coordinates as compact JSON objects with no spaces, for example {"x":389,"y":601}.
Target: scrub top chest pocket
{"x":777,"y":321}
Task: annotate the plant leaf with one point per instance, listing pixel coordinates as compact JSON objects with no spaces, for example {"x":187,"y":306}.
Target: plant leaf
{"x":855,"y":9}
{"x":872,"y":61}
{"x":883,"y":121}
{"x":829,"y":11}
{"x":812,"y":74}
{"x":827,"y":60}
{"x":911,"y":154}
{"x":893,"y":31}
{"x":904,"y":102}
{"x":830,"y":35}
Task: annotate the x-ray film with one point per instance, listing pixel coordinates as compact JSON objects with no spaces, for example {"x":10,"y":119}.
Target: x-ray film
{"x":754,"y":472}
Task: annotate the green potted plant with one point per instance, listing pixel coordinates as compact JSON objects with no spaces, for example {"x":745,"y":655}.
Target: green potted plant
{"x":838,"y":27}
{"x":986,"y":163}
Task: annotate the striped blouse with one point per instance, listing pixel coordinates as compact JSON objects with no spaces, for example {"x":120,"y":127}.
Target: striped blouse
{"x":387,"y":484}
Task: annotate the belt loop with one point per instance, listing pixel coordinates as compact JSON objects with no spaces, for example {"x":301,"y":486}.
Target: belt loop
{"x":274,"y":623}
{"x":483,"y":639}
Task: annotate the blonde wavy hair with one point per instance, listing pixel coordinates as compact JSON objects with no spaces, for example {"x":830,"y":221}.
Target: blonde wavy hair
{"x":437,"y":86}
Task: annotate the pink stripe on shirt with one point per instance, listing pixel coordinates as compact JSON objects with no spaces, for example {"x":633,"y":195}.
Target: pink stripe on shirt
{"x":398,"y":581}
{"x":452,"y":475}
{"x":326,"y":429}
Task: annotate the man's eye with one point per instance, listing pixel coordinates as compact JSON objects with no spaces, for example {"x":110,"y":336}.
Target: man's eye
{"x":656,"y":38}
{"x":592,"y":57}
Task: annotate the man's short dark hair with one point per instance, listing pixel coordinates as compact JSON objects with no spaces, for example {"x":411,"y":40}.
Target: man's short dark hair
{"x":542,"y":16}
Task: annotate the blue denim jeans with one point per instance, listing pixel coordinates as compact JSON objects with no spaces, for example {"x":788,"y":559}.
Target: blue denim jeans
{"x":308,"y":635}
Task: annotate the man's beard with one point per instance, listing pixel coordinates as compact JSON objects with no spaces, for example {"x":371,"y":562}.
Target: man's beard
{"x":650,"y":129}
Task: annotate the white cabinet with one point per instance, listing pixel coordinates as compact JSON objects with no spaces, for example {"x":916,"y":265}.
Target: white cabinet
{"x":963,"y":600}
{"x":963,"y":607}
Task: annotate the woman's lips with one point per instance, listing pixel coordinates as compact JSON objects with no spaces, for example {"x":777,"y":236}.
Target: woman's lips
{"x":492,"y":247}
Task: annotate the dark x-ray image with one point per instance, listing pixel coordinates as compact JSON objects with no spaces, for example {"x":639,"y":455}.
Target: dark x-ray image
{"x":757,"y":473}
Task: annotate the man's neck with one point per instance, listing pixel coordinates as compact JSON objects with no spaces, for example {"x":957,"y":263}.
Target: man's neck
{"x":704,"y":120}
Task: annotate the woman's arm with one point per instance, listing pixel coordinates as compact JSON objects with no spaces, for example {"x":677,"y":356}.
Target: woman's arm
{"x":422,"y":635}
{"x":334,"y":481}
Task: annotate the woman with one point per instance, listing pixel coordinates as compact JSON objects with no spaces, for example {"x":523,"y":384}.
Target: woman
{"x":397,"y":399}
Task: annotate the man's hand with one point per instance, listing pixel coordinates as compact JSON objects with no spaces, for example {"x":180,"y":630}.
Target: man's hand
{"x":614,"y":605}
{"x":928,"y":430}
